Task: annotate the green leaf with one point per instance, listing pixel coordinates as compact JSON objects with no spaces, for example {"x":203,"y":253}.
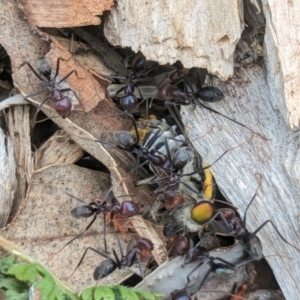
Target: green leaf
{"x":117,"y":292}
{"x":124,"y":293}
{"x":6,"y":263}
{"x":148,"y":296}
{"x":98,"y":293}
{"x":9,"y":284}
{"x":14,"y":289}
{"x":48,"y":289}
{"x":13,"y":295}
{"x":24,"y":272}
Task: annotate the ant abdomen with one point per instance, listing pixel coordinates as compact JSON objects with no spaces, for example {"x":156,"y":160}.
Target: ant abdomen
{"x":83,"y":211}
{"x":63,"y":106}
{"x":210,"y":94}
{"x":105,"y":268}
{"x":252,"y":245}
{"x":181,"y":157}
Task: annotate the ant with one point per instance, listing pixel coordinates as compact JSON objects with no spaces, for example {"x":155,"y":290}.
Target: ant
{"x":173,"y":96}
{"x":250,"y":240}
{"x":129,"y":101}
{"x":142,"y":249}
{"x":62,"y":104}
{"x":119,"y":213}
{"x":146,"y":143}
{"x":174,"y":194}
{"x":221,"y":267}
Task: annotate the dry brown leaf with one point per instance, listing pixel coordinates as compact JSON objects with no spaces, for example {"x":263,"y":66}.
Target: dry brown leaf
{"x":44,"y":223}
{"x":56,"y":13}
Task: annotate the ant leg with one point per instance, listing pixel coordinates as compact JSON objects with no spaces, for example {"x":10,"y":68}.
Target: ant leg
{"x":277,"y":230}
{"x":209,"y":166}
{"x":72,"y":196}
{"x":120,"y":247}
{"x":68,"y":75}
{"x":205,"y":277}
{"x":39,"y":108}
{"x":57,"y":66}
{"x":120,"y":90}
{"x":33,"y":70}
{"x":175,"y":114}
{"x":77,"y":236}
{"x":245,"y":213}
{"x":84,"y":254}
{"x":35,"y":94}
{"x":193,"y":270}
{"x":140,"y":266}
{"x":220,"y":114}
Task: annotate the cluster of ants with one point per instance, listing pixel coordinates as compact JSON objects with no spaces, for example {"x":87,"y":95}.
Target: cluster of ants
{"x":185,"y":204}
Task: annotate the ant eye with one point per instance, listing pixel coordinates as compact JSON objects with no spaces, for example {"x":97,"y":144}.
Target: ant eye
{"x":202,"y":212}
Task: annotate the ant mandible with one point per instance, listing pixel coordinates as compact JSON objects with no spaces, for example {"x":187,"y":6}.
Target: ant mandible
{"x":62,"y":104}
{"x":142,"y":249}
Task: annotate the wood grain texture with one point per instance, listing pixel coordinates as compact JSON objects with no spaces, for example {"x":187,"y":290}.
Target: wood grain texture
{"x":59,"y":149}
{"x":198,"y":33}
{"x":59,"y":14}
{"x":8,"y":178}
{"x":248,"y":100}
{"x":282,"y":43}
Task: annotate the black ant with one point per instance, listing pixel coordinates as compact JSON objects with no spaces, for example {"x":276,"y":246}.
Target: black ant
{"x":221,"y":267}
{"x":62,"y":104}
{"x":145,"y":142}
{"x":119,"y":214}
{"x":250,"y":240}
{"x":142,"y":249}
{"x":173,"y":96}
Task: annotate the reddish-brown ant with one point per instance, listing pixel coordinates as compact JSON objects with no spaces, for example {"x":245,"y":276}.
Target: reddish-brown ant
{"x":124,"y":211}
{"x":141,"y":250}
{"x":62,"y":104}
{"x":129,"y":102}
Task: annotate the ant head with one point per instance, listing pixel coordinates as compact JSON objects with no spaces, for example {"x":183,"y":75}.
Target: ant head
{"x":181,"y":157}
{"x":182,"y":245}
{"x":44,"y":66}
{"x":125,"y":139}
{"x":202,"y":212}
{"x":105,"y":268}
{"x":252,"y":245}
